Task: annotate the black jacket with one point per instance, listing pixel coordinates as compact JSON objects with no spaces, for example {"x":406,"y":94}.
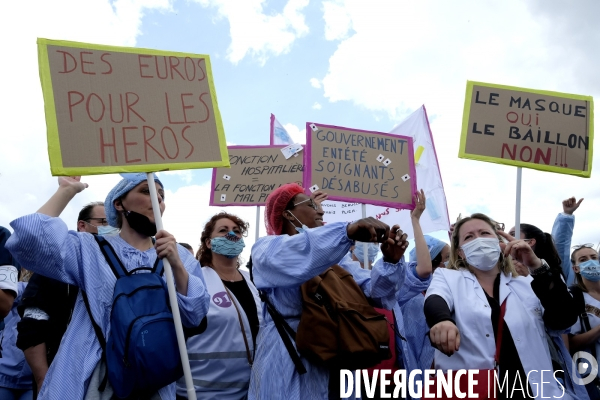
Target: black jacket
{"x":57,"y":299}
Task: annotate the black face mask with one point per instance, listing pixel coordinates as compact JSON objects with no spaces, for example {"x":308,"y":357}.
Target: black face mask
{"x":140,"y":223}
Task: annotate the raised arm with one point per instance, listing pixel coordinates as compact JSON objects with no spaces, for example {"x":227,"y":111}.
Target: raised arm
{"x":286,"y":261}
{"x":42,"y":243}
{"x":424,"y":267}
{"x":562,"y":232}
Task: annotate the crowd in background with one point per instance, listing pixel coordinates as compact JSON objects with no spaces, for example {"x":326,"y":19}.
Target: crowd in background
{"x":81,"y":308}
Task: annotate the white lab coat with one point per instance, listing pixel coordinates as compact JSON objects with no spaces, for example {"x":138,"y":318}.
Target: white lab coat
{"x":471,"y":312}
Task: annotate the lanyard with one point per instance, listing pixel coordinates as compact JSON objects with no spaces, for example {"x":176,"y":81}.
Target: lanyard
{"x":499,"y":335}
{"x":250,"y":358}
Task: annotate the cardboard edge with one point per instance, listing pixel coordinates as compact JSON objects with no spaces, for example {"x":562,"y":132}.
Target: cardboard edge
{"x":307,"y":173}
{"x":465,"y":122}
{"x":412,"y":172}
{"x":571,"y":96}
{"x":117,"y":49}
{"x":75,"y":171}
{"x":52,"y":137}
{"x":523,"y":164}
{"x":218,"y":120}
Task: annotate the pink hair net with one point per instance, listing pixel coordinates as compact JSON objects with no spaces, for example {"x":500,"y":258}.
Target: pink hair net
{"x":275,"y":205}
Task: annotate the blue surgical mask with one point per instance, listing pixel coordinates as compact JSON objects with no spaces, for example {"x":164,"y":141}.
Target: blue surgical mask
{"x":301,"y":229}
{"x":107,"y":230}
{"x":590,"y":270}
{"x":229,"y":245}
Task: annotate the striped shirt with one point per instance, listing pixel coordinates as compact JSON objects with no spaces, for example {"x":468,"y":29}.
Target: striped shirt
{"x":281,"y":264}
{"x":44,"y":245}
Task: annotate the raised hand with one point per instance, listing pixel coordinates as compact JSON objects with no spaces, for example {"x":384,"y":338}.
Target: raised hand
{"x":570,"y":205}
{"x":319,"y":197}
{"x":419,"y":205}
{"x":520,"y":251}
{"x":368,"y":230}
{"x":394,"y":247}
{"x":71,"y":182}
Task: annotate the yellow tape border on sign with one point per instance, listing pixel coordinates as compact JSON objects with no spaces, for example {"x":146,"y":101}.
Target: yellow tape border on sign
{"x":56,"y":164}
{"x":561,"y":170}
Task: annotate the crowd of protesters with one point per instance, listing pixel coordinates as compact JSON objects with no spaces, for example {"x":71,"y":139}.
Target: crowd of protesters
{"x":487,"y":300}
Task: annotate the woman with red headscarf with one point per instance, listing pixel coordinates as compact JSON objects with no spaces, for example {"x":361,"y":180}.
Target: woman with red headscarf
{"x":297,"y":249}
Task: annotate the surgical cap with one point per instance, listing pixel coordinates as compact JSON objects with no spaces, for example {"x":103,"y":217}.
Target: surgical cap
{"x":275,"y":205}
{"x":128,"y":182}
{"x":434,"y":245}
{"x":372,"y":250}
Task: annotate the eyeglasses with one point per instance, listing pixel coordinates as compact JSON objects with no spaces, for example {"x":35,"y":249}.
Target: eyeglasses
{"x":311,"y":204}
{"x":102,"y":221}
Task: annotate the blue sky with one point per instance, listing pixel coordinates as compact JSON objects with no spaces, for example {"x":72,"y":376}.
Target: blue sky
{"x":354,"y":63}
{"x":249,"y":91}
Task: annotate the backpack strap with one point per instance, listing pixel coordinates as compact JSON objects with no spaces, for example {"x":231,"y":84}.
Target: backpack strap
{"x":119,"y":270}
{"x":283,"y":328}
{"x":101,"y":339}
{"x":159,"y":267}
{"x":111,"y":257}
{"x":580,"y":307}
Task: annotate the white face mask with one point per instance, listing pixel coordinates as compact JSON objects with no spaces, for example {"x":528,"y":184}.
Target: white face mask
{"x":298,"y":229}
{"x":482,"y":253}
{"x":107,"y":230}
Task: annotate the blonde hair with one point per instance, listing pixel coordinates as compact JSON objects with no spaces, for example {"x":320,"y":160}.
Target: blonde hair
{"x":457,"y":263}
{"x":25,"y":275}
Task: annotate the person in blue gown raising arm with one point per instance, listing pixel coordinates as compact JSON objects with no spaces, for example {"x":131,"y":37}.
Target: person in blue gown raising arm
{"x":43,"y":244}
{"x":298,"y":247}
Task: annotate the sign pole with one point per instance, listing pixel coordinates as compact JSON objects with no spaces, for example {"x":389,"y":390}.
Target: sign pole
{"x":257,"y":223}
{"x":518,"y":204}
{"x":365,"y":245}
{"x":191,"y":392}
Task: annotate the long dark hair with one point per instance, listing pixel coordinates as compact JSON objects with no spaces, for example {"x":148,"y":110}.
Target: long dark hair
{"x":544,"y":246}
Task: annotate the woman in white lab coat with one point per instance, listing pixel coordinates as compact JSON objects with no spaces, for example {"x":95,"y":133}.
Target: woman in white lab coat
{"x":465,"y":302}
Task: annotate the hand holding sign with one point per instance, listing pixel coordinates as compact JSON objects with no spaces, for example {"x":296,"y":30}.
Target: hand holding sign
{"x":72,"y":182}
{"x":319,"y":196}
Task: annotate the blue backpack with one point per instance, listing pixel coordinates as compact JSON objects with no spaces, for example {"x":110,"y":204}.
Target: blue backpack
{"x":141,"y":353}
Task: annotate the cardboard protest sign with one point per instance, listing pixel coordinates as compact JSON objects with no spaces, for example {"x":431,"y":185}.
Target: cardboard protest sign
{"x":118,"y":109}
{"x":360,"y":166}
{"x":537,"y":129}
{"x":255,"y":172}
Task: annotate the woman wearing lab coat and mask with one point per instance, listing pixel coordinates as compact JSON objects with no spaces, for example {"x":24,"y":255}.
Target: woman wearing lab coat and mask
{"x":465,"y":302}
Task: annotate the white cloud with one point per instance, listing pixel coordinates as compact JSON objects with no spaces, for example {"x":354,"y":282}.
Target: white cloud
{"x":24,"y":167}
{"x":400,"y":55}
{"x":256,"y":33}
{"x":338,"y":21}
{"x":316,"y":106}
{"x":314,"y":82}
{"x":183,"y":174}
{"x":297,"y":134}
